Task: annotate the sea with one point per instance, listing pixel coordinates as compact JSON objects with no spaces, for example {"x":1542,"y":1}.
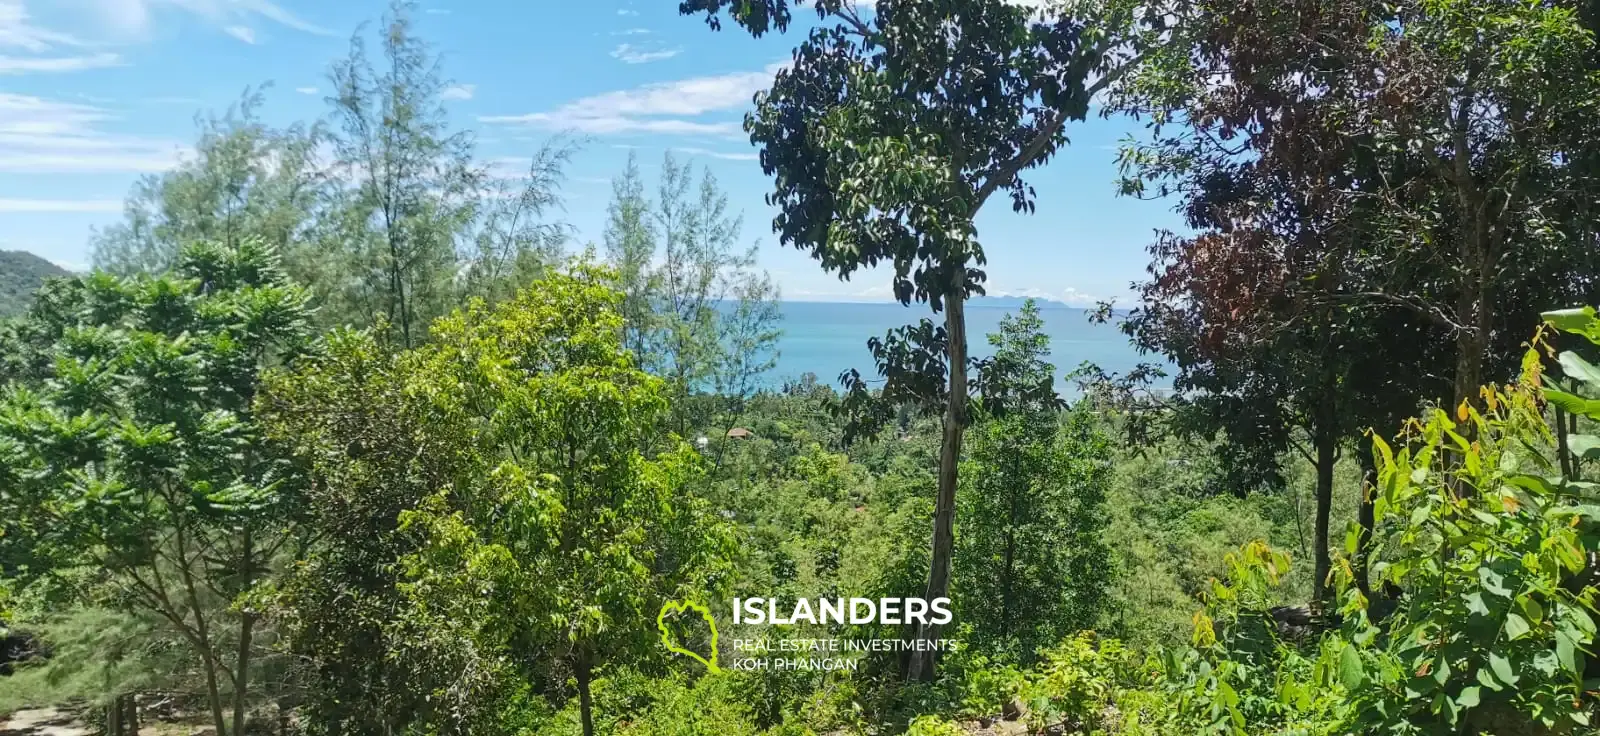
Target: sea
{"x":828,"y":338}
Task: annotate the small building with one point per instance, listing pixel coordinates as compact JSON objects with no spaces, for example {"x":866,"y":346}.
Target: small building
{"x":740,"y":433}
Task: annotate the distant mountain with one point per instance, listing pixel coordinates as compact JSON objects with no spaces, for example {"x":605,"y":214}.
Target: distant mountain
{"x":21,"y":273}
{"x":1016,"y":301}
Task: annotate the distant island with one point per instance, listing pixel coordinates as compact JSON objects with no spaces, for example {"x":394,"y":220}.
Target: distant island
{"x":1017,"y":301}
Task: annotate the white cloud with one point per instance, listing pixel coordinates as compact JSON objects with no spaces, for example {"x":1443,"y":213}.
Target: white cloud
{"x":629,"y":54}
{"x":31,"y":64}
{"x":60,"y":205}
{"x":306,"y":90}
{"x":437,"y":11}
{"x":666,"y":107}
{"x":625,"y":11}
{"x":243,"y":33}
{"x":16,"y":31}
{"x":46,"y":136}
{"x":632,"y":32}
{"x":751,"y":156}
{"x":459,"y":92}
{"x":134,"y":17}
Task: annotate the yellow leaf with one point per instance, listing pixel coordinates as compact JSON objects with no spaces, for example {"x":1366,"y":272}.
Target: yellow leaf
{"x":1461,"y":411}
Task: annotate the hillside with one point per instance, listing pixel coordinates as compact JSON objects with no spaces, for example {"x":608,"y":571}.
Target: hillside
{"x":21,"y":273}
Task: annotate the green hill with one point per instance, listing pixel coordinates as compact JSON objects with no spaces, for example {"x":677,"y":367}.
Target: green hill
{"x":21,"y":273}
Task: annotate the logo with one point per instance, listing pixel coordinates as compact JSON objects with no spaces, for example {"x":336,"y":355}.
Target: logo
{"x":677,"y":608}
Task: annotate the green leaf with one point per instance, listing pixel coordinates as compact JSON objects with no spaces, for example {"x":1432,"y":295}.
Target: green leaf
{"x":1468,"y":697}
{"x":1487,"y":680}
{"x":1516,"y":627}
{"x":1576,"y":319}
{"x":1493,"y":582}
{"x":1351,"y":673}
{"x":1586,"y":446}
{"x":1578,"y":368}
{"x":1573,"y":404}
{"x":1502,"y":668}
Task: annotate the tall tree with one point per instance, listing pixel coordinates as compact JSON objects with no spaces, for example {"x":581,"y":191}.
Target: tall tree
{"x":512,"y":533}
{"x":697,"y":312}
{"x":1033,"y":566}
{"x":245,"y":179}
{"x":139,"y":455}
{"x":410,"y":184}
{"x":1330,"y":244}
{"x":886,"y":136}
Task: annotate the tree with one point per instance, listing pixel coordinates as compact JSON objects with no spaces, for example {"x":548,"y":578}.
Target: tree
{"x":139,"y":456}
{"x":1323,"y":257}
{"x":509,"y":456}
{"x":1033,"y":567}
{"x":245,"y":180}
{"x":885,"y":137}
{"x":697,"y":313}
{"x":410,"y":184}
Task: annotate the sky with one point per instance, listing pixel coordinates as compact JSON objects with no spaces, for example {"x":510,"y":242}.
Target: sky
{"x":95,"y":94}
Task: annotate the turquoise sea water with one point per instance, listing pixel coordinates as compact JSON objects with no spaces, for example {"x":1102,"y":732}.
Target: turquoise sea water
{"x":828,"y":338}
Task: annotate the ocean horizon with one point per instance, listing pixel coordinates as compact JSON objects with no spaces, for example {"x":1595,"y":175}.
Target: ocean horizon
{"x":828,"y":338}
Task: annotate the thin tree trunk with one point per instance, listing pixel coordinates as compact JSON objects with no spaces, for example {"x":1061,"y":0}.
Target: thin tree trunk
{"x":208,"y":653}
{"x":1562,"y":452}
{"x":1326,"y":456}
{"x":955,"y":419}
{"x":130,"y":715}
{"x":585,"y":702}
{"x":247,"y":623}
{"x":114,"y":712}
{"x":1365,"y":516}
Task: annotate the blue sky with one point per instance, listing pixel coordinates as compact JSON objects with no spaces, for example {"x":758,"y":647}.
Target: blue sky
{"x":95,"y":93}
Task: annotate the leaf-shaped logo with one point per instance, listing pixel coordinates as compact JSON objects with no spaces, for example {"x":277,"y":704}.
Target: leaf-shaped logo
{"x":676,"y":608}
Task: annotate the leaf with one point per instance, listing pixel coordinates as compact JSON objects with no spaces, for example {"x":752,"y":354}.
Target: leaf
{"x":1578,"y":368}
{"x":1468,"y":697}
{"x":1502,"y":668}
{"x":1586,"y":446}
{"x":1351,"y":673}
{"x":1493,"y":582}
{"x":1516,"y":627}
{"x":1573,"y":404}
{"x":1488,"y":681}
{"x":1576,"y":319}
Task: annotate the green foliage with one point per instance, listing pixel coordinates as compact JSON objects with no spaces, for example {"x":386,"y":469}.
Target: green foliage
{"x":549,"y":534}
{"x":137,"y":453}
{"x":1031,"y":562}
{"x":1490,"y":543}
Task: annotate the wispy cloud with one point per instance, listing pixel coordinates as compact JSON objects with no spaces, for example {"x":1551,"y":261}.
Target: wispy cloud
{"x":135,"y":17}
{"x":629,"y":54}
{"x":673,"y":108}
{"x":632,"y":32}
{"x":437,"y":11}
{"x":36,"y":64}
{"x":459,"y":92}
{"x":17,"y":31}
{"x":42,"y":48}
{"x":60,"y":205}
{"x":47,"y":136}
{"x":625,"y":11}
{"x":243,"y":33}
{"x":306,"y":90}
{"x":751,"y":156}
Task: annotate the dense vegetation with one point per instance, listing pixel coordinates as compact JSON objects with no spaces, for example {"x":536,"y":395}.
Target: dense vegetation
{"x":368,"y":446}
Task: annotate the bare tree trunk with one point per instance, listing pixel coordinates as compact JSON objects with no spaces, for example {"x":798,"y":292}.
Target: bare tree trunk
{"x":583,"y":674}
{"x":247,"y":625}
{"x":1365,"y":517}
{"x":1326,"y":457}
{"x":955,"y":419}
